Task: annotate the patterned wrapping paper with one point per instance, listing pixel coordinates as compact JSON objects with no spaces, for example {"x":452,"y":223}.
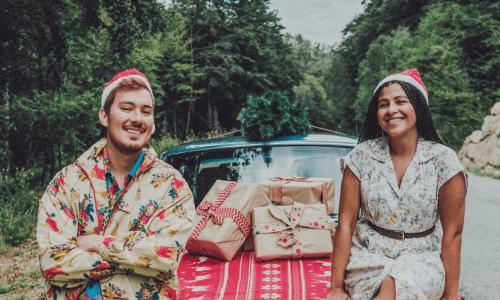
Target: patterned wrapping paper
{"x":248,"y":245}
{"x":291,"y":232}
{"x":306,"y":190}
{"x":223,"y":219}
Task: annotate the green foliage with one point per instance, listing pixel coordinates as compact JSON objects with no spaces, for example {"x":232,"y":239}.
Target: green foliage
{"x":272,"y":115}
{"x":386,"y":55}
{"x":51,"y":129}
{"x":6,"y":289}
{"x":166,"y":142}
{"x":453,"y":45}
{"x":480,"y":172}
{"x":238,"y":47}
{"x":313,"y":63}
{"x":18,"y":206}
{"x":312,"y":95}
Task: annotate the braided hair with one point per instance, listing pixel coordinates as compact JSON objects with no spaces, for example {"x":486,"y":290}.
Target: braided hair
{"x":425,"y":126}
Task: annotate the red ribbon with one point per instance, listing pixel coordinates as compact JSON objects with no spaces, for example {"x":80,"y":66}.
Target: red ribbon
{"x":211,"y":210}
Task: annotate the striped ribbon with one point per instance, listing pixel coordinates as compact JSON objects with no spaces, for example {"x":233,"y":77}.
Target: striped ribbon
{"x":211,"y":210}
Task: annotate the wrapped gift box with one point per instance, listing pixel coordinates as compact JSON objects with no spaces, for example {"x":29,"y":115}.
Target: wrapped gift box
{"x":306,"y":190}
{"x":291,"y":232}
{"x":248,"y":245}
{"x":222,"y":220}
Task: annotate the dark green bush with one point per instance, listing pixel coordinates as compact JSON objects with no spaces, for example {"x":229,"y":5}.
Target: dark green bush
{"x":18,"y":207}
{"x":272,"y":115}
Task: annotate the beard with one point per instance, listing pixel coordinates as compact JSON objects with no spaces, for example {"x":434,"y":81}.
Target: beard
{"x":122,"y":146}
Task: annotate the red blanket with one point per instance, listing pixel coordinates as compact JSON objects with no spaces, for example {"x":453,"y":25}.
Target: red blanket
{"x":244,"y":279}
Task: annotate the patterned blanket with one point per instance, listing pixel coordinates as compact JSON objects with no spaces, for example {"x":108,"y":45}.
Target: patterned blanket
{"x":243,"y":278}
{"x":203,"y":278}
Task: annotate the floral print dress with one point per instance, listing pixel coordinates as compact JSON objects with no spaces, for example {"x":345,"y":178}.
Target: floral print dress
{"x":414,"y":263}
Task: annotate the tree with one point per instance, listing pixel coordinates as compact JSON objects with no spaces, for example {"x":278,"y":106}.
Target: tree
{"x":55,"y":52}
{"x":238,"y":47}
{"x":272,"y":115}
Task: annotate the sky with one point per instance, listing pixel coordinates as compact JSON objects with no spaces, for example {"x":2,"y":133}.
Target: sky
{"x":320,"y":21}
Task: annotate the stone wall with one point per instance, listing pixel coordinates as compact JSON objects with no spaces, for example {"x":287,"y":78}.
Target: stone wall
{"x":482,"y":148}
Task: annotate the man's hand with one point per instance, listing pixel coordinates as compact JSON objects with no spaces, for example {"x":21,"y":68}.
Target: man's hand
{"x":90,"y":243}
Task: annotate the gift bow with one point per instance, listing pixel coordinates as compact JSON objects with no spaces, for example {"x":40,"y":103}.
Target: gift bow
{"x":211,"y":210}
{"x":289,"y":227}
{"x":276,"y":188}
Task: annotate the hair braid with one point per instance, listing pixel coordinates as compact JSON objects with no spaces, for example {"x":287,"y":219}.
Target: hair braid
{"x":425,"y":125}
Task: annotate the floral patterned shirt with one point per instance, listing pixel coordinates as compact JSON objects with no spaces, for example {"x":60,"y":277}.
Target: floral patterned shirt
{"x":144,"y":238}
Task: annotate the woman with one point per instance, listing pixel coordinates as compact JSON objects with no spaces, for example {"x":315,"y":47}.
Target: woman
{"x":404,"y":179}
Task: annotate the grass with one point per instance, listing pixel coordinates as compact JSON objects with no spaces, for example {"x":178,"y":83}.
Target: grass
{"x":479,"y":173}
{"x":20,"y":276}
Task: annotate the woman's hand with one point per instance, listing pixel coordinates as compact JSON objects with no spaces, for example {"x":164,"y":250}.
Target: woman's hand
{"x":337,"y":294}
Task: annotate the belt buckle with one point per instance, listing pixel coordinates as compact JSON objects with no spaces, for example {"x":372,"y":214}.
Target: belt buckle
{"x":402,"y":234}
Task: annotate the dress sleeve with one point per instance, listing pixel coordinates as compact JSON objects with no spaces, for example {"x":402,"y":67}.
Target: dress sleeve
{"x":447,"y":166}
{"x":61,"y":261}
{"x":156,"y":251}
{"x":353,"y":161}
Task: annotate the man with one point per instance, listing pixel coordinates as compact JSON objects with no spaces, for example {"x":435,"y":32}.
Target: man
{"x":113,"y":225}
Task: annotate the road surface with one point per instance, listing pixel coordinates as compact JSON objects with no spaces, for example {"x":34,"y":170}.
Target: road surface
{"x":480,"y":274}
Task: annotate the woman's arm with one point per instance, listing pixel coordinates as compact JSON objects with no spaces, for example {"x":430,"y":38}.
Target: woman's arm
{"x":451,"y":212}
{"x":350,"y":203}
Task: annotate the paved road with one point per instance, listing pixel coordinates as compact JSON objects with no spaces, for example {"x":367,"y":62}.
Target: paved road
{"x":480,"y":274}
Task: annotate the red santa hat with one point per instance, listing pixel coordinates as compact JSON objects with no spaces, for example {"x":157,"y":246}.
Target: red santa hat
{"x":410,"y":76}
{"x":132,"y":73}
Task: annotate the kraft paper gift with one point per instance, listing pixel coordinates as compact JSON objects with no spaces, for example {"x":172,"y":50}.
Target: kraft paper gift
{"x":291,"y":232}
{"x":222,"y":220}
{"x":306,"y":190}
{"x":248,"y":244}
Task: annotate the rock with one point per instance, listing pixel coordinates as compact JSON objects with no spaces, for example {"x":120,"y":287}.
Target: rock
{"x":489,"y":169}
{"x":476,"y":165}
{"x":467,"y":140}
{"x":498,"y":143}
{"x":495,"y":110}
{"x":466,"y":162}
{"x":462,"y":153}
{"x":496,"y":173}
{"x":490,"y":123}
{"x":486,"y":147}
{"x":474,"y":152}
{"x":495,"y":128}
{"x":476,"y":136}
{"x":494,"y":159}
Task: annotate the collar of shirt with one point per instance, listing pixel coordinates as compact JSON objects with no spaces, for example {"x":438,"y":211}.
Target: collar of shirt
{"x":111,"y":183}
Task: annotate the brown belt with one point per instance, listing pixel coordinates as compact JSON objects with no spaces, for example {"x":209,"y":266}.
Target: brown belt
{"x":400,"y":235}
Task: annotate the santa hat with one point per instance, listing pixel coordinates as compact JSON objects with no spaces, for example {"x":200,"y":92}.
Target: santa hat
{"x":132,"y":73}
{"x":410,"y":76}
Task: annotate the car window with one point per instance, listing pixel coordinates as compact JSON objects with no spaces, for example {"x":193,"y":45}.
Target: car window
{"x":202,"y":169}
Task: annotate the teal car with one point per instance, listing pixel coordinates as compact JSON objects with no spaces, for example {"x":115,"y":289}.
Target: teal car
{"x":235,"y":159}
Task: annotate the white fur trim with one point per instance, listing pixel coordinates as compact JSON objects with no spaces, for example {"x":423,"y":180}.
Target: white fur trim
{"x":113,"y":85}
{"x":404,"y":78}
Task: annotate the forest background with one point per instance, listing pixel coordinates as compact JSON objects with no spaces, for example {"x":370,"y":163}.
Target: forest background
{"x":203,"y":59}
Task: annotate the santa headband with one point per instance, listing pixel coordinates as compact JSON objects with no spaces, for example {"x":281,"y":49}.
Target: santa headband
{"x":132,"y":73}
{"x":410,"y":76}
